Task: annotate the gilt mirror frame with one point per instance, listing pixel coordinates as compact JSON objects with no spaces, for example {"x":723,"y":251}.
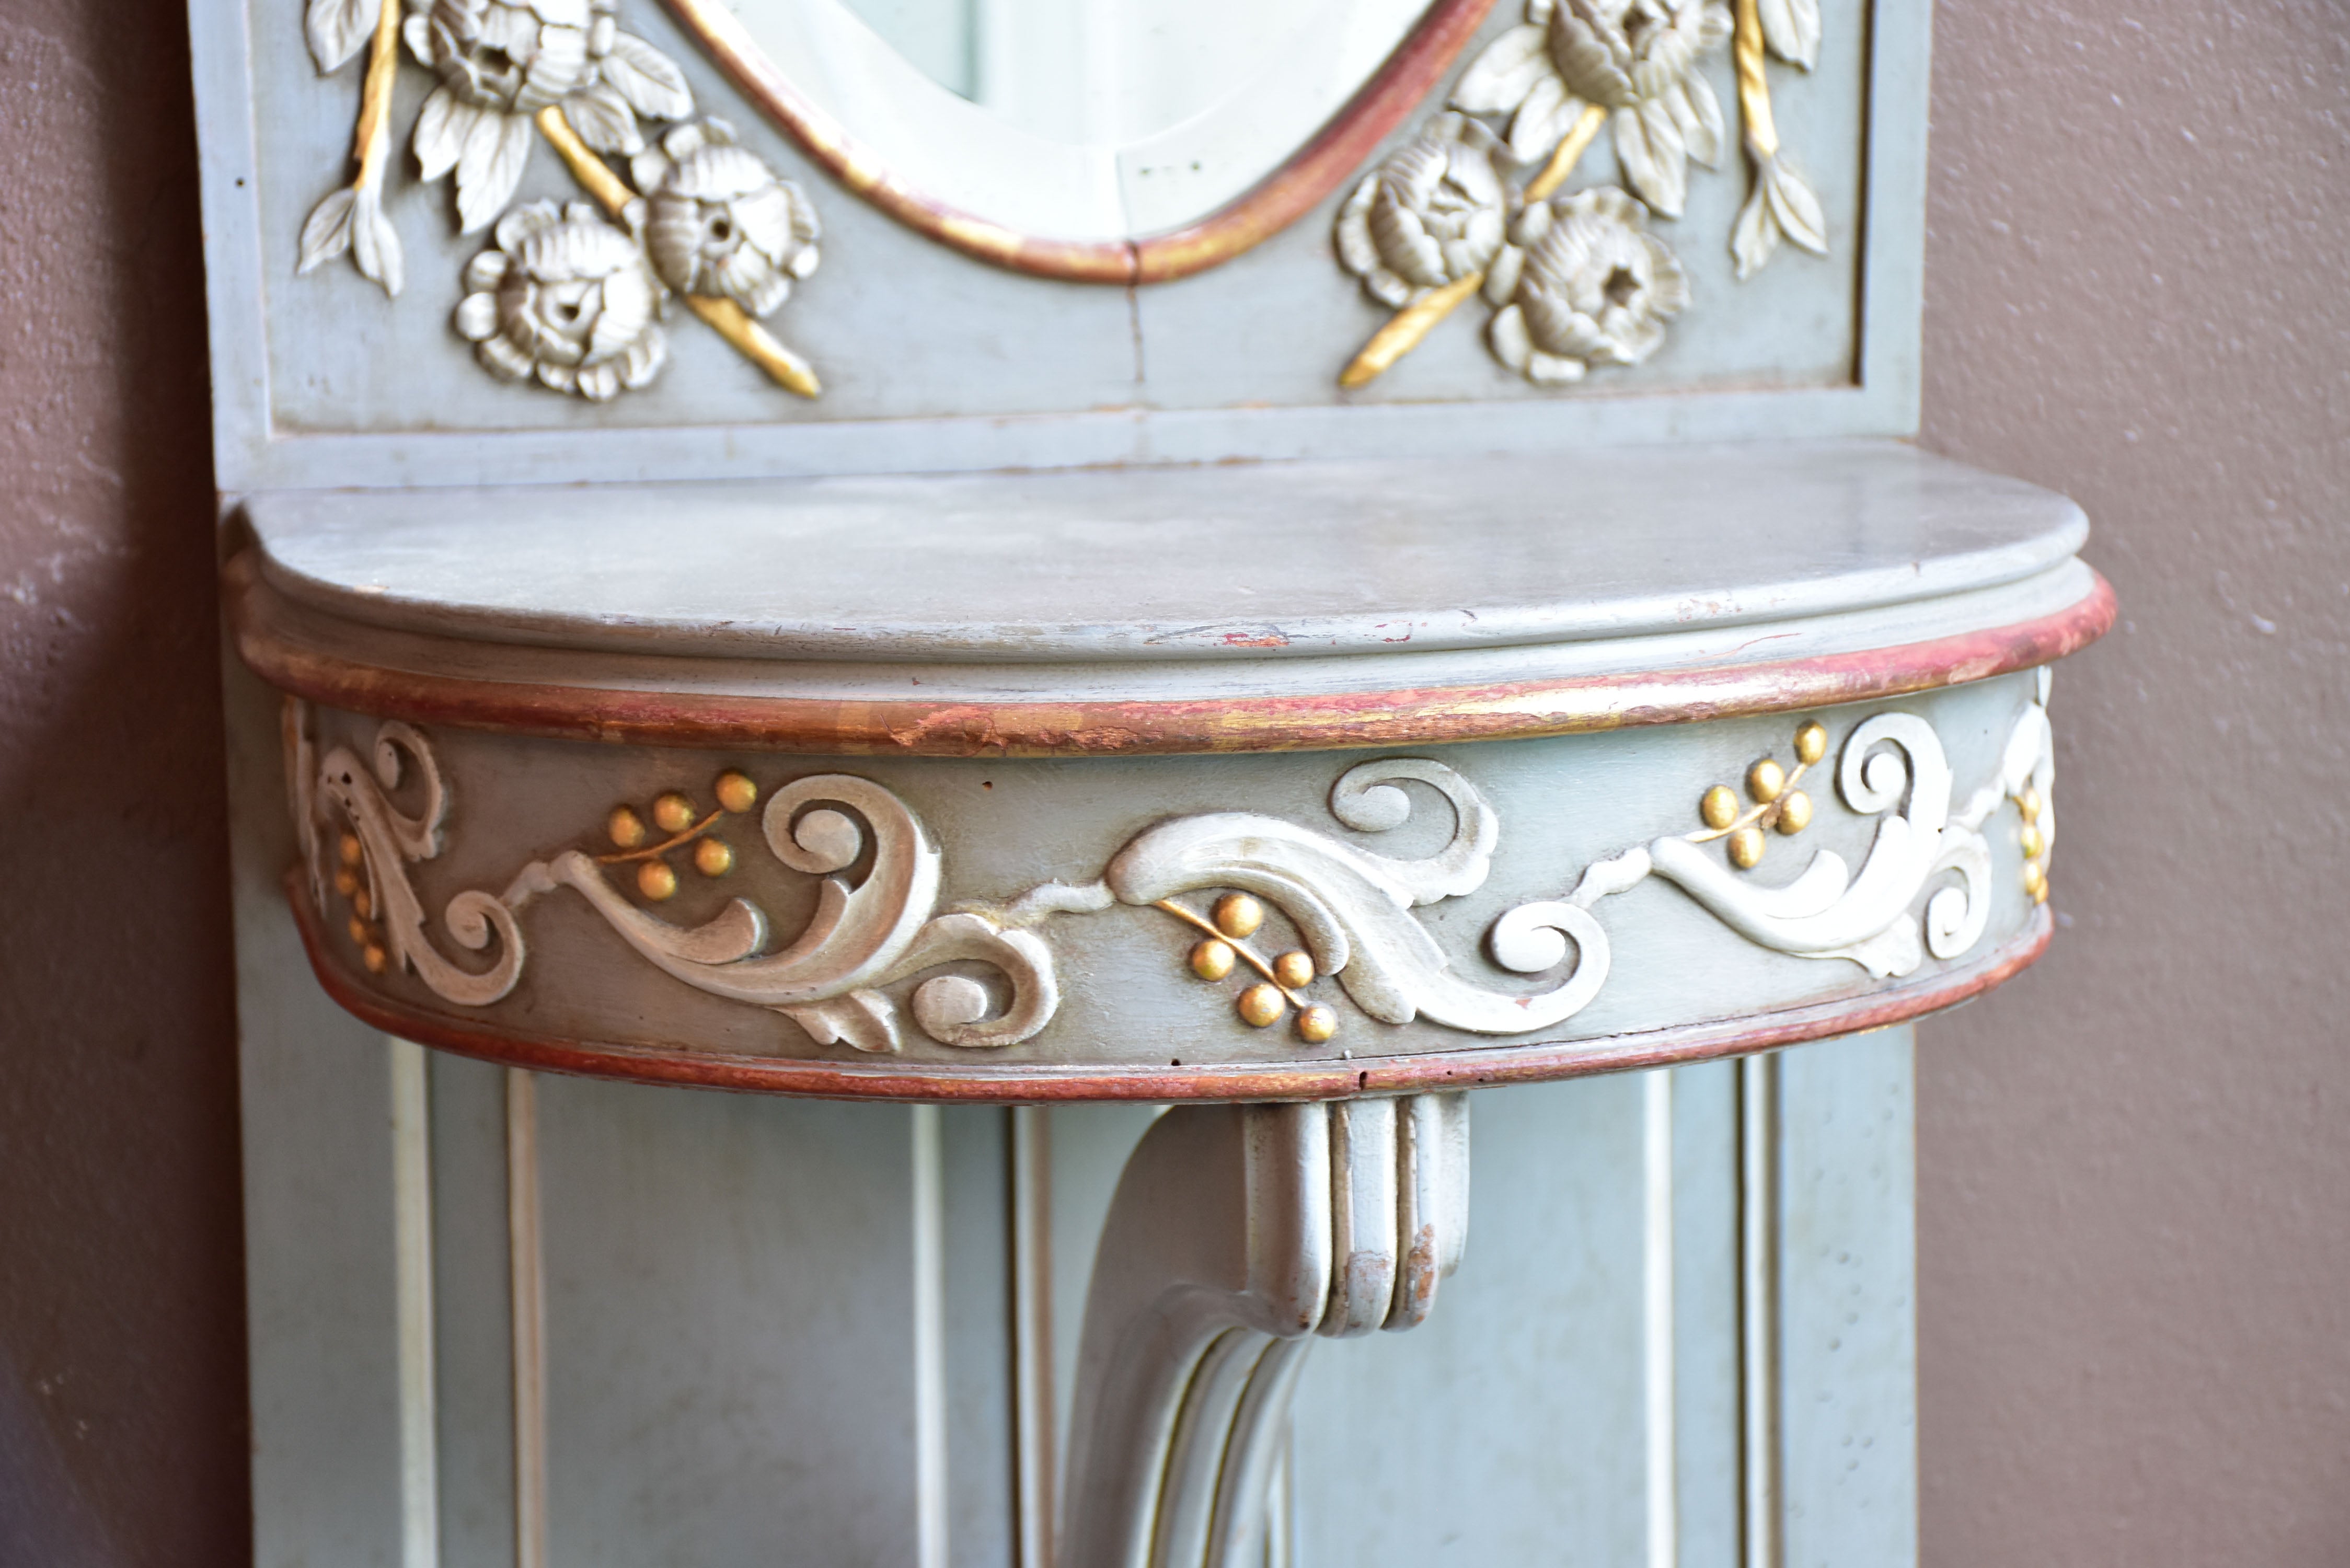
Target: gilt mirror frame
{"x":1337,"y":151}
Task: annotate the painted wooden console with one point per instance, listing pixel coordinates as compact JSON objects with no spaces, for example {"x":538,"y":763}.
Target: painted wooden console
{"x":1124,"y":647}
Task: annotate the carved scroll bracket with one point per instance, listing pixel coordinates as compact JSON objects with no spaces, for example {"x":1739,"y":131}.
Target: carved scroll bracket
{"x":1237,"y":1234}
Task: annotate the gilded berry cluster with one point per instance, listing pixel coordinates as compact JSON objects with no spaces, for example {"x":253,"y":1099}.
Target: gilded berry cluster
{"x":1777,"y":803}
{"x":2037,"y":839}
{"x":1223,"y":947}
{"x":682,"y":822}
{"x":356,"y":882}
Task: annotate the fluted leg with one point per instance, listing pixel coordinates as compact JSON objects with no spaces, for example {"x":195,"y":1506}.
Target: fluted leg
{"x":1237,"y":1232}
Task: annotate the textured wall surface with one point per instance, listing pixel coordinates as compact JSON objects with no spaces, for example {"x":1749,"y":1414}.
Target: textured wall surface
{"x":2135,"y":1226}
{"x":121,"y":1311}
{"x":2136,"y":1277}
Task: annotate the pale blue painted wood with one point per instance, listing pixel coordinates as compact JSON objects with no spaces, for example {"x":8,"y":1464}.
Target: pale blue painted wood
{"x":473,"y":1339}
{"x":728,"y":1329}
{"x":1848,"y":1316}
{"x":1509,"y":1428}
{"x":1706,"y":1314}
{"x":976,"y":1263}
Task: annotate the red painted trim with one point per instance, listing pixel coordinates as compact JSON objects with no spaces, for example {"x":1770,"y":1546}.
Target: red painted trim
{"x":1327,"y":722}
{"x":991,"y":1083}
{"x":1280,"y":198}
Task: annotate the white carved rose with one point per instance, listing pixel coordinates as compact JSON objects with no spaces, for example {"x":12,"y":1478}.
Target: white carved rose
{"x":501,"y":61}
{"x":1583,"y":283}
{"x":1434,"y":212}
{"x":722,"y":224}
{"x":1639,"y":59}
{"x":568,"y":298}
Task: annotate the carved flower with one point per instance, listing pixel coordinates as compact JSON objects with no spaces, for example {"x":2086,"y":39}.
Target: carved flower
{"x":567,"y":296}
{"x":723,"y":223}
{"x":501,"y":61}
{"x":1583,"y":284}
{"x":1434,"y":212}
{"x":1636,"y":58}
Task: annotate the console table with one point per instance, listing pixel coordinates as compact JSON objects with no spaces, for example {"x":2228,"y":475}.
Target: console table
{"x":1117,"y":620}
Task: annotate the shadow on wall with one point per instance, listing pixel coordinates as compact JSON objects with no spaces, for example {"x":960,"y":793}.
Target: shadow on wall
{"x":122,"y":1426}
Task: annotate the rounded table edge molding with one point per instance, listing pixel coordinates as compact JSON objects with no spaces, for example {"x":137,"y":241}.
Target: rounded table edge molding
{"x":1273,"y":721}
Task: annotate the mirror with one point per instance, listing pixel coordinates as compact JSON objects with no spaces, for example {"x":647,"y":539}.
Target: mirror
{"x":1053,"y":134}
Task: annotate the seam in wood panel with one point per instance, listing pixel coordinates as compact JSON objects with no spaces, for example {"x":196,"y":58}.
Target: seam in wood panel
{"x":412,"y":1190}
{"x":526,"y":1272}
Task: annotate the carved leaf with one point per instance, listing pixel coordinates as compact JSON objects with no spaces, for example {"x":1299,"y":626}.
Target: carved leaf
{"x":1500,"y":78}
{"x":648,"y":79}
{"x":337,"y":29}
{"x":490,"y":167}
{"x":1795,"y":208}
{"x":866,"y":1020}
{"x":328,"y":234}
{"x":1655,"y":159}
{"x":1754,"y":238}
{"x":1791,"y":28}
{"x":441,"y":127}
{"x":1698,"y":114}
{"x":375,"y":244}
{"x":603,"y":119}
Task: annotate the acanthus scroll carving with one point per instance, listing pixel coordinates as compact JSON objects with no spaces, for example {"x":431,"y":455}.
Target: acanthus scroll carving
{"x":1351,"y":909}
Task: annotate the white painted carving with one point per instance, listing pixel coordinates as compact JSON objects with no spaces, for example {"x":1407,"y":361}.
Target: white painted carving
{"x":828,"y":980}
{"x":571,"y":297}
{"x":1636,"y":59}
{"x":345,"y":791}
{"x":1433,"y":213}
{"x":722,"y":223}
{"x":1351,"y":909}
{"x":500,"y":62}
{"x":568,"y":298}
{"x":1582,"y":284}
{"x":1827,"y":912}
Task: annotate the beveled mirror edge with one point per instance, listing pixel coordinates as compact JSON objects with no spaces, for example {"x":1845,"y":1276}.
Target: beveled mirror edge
{"x":1305,"y":178}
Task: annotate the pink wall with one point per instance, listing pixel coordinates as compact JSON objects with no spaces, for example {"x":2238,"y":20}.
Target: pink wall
{"x":2134,"y":1172}
{"x":121,"y":1316}
{"x":2135,"y":1210}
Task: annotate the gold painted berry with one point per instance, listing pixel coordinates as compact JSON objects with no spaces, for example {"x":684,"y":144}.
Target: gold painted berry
{"x":1262,"y":1005}
{"x":1746,"y":848}
{"x":735,"y":791}
{"x":655,"y":881}
{"x":1212,"y":959}
{"x":1794,"y":811}
{"x":673,"y":813}
{"x":1718,"y":808}
{"x":1316,"y":1025}
{"x":1238,"y":915}
{"x":1811,"y":743}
